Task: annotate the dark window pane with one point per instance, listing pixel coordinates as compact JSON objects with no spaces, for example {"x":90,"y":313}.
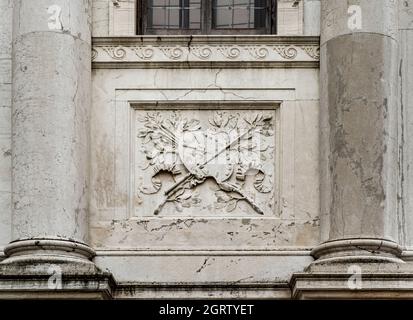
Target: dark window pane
{"x":174,"y":14}
{"x":239,"y":14}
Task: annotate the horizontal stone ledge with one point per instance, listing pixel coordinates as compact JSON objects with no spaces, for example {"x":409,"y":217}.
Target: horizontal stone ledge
{"x":71,"y":286}
{"x":385,"y":284}
{"x":210,"y":65}
{"x":220,"y":290}
{"x":207,"y":39}
{"x":206,"y":52}
{"x":224,"y":253}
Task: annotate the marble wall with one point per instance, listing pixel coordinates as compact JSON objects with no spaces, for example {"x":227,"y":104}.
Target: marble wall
{"x":209,"y":241}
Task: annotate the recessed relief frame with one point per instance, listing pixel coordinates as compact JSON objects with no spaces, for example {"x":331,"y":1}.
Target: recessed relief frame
{"x":204,"y":159}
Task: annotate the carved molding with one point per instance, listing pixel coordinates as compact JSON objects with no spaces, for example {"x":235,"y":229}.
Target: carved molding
{"x":203,"y":51}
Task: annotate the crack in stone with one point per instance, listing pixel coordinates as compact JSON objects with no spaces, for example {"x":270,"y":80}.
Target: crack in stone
{"x":203,"y":266}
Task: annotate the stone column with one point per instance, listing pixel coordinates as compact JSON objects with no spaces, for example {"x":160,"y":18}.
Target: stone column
{"x":359,"y":256}
{"x":359,"y":88}
{"x":50,"y":130}
{"x":51,"y":69}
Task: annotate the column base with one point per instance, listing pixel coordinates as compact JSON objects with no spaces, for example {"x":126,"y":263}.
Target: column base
{"x":355,"y":269}
{"x":357,"y":250}
{"x":375,"y":281}
{"x":52,"y":268}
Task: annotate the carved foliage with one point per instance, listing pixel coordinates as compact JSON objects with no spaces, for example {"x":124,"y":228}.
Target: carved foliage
{"x":115,"y":52}
{"x":208,"y":52}
{"x":312,"y":51}
{"x":287,"y":52}
{"x":226,"y":149}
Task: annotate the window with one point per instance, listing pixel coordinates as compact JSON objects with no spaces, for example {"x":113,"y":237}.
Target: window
{"x":206,"y":16}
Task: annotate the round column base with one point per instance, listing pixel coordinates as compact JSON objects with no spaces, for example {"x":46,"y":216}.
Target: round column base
{"x":48,"y":249}
{"x":357,"y":250}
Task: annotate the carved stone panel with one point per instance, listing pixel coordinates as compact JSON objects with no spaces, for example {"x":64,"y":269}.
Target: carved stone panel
{"x":205,"y":160}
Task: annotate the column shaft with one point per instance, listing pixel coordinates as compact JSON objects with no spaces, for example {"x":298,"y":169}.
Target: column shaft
{"x":50,"y":125}
{"x":359,"y":65}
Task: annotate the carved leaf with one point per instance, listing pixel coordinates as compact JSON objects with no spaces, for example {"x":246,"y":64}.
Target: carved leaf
{"x":232,"y":205}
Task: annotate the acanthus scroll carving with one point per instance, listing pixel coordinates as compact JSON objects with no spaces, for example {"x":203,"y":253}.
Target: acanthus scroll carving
{"x":115,"y":52}
{"x":287,"y":52}
{"x":173,"y":53}
{"x":229,"y":52}
{"x":201,"y":52}
{"x":257,"y":52}
{"x":312,"y":51}
{"x":144,"y":53}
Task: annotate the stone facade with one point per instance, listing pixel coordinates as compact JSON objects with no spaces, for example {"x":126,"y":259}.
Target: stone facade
{"x":266,"y":166}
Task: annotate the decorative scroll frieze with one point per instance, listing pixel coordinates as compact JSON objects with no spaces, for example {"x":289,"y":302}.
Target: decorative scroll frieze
{"x":312,"y":51}
{"x":221,"y":51}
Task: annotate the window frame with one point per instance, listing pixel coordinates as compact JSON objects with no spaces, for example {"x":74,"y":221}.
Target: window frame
{"x":206,"y":22}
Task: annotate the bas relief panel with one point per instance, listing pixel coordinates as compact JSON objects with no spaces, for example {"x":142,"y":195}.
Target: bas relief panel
{"x":224,"y":164}
{"x":205,"y":161}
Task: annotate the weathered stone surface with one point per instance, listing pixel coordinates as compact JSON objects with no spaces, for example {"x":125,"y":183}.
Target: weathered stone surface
{"x":312,"y":11}
{"x":119,"y":220}
{"x":406,"y":16}
{"x":51,"y":72}
{"x":100,"y":18}
{"x":379,"y":16}
{"x":361,"y":216}
{"x":50,"y":125}
{"x":42,"y":279}
{"x":358,"y":126}
{"x":5,"y":121}
{"x":217,"y":241}
{"x":214,"y":163}
{"x":406,"y":122}
{"x":361,"y":111}
{"x":289,"y":17}
{"x":125,"y":230}
{"x":364,"y":280}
